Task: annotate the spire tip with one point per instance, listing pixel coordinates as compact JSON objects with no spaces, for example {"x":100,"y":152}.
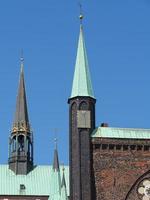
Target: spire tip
{"x":55,"y":142}
{"x":81,"y":16}
{"x":21,"y":57}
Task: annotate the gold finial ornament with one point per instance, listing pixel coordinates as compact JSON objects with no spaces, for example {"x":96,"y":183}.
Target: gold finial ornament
{"x":21,"y":57}
{"x":81,"y":15}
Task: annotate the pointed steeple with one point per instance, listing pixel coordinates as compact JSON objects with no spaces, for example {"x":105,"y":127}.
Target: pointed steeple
{"x":56,"y":186}
{"x":56,"y":160}
{"x":82,"y":85}
{"x":63,"y":182}
{"x":63,"y":195}
{"x":81,"y":125}
{"x":21,"y":138}
{"x":21,"y":115}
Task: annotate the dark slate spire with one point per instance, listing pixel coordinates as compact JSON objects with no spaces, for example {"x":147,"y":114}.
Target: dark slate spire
{"x":55,"y":176}
{"x":21,"y":116}
{"x":21,"y":139}
{"x":63,"y":182}
{"x":56,"y":160}
{"x":63,"y":194}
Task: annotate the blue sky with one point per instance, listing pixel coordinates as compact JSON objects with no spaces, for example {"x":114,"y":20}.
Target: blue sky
{"x":117,"y":35}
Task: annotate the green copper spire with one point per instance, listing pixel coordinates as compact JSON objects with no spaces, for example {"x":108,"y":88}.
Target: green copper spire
{"x":82,"y":85}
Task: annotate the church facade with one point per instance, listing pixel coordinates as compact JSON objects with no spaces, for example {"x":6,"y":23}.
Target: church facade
{"x":105,"y":163}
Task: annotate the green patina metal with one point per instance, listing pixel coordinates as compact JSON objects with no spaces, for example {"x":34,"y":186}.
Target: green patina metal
{"x":123,"y":133}
{"x":39,"y":181}
{"x":82,"y":85}
{"x":63,"y":195}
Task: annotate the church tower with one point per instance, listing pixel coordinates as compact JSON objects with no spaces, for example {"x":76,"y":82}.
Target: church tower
{"x":21,"y":140}
{"x":82,"y":123}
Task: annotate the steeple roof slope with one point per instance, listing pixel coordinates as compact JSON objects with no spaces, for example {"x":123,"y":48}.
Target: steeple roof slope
{"x":56,"y":187}
{"x":63,"y":195}
{"x":82,"y":85}
{"x":21,"y":114}
{"x":56,"y":161}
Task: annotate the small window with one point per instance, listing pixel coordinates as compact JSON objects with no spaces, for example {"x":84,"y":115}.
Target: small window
{"x":104,"y":146}
{"x":118,"y":147}
{"x":146,"y":148}
{"x":22,"y":187}
{"x":97,"y":146}
{"x":133,"y":147}
{"x":125,"y":147}
{"x":111,"y":146}
{"x":139,"y":147}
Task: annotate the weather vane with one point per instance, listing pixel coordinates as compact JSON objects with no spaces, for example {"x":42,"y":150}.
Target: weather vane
{"x":81,"y":15}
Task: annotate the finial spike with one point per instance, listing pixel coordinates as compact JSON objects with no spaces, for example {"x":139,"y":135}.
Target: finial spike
{"x":21,"y":57}
{"x":55,"y":137}
{"x":21,"y":60}
{"x":55,"y":141}
{"x":81,"y":13}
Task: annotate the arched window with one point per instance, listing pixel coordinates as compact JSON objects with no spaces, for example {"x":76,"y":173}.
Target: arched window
{"x":73,"y":115}
{"x":13,"y":144}
{"x":83,"y":106}
{"x":21,"y":143}
{"x":74,"y":107}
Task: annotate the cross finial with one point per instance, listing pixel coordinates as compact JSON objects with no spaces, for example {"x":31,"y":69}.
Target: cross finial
{"x":81,"y":13}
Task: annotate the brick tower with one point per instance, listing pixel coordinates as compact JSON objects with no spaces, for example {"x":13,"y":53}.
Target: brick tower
{"x":82,"y":123}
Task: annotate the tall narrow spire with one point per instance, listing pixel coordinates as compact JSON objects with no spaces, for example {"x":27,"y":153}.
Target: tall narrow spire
{"x":63,"y":195}
{"x":21,"y":140}
{"x":82,"y":85}
{"x":63,"y":182}
{"x":56,"y":160}
{"x":81,"y":125}
{"x":21,"y":115}
{"x":55,"y":176}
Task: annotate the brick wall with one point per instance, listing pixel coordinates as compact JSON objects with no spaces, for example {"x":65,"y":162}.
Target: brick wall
{"x":117,"y":165}
{"x":3,"y":197}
